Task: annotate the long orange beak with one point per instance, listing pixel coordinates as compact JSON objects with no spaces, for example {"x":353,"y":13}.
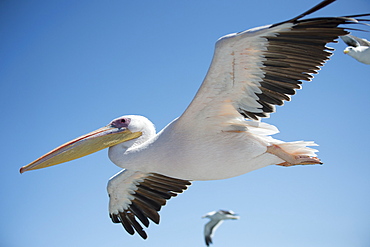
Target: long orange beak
{"x":84,"y":145}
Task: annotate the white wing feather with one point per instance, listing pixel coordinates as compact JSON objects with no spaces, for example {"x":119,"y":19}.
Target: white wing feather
{"x":234,"y":76}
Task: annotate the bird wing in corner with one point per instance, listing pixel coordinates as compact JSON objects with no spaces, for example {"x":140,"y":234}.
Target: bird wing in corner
{"x":360,"y":41}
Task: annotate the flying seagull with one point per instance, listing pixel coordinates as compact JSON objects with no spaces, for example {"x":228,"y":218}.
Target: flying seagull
{"x":358,"y":48}
{"x":220,"y":134}
{"x":216,"y":219}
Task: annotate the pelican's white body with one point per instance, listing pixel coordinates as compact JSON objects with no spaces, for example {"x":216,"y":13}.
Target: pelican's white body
{"x":200,"y":154}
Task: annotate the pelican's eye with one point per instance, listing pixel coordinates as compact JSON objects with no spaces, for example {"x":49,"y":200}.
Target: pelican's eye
{"x":121,"y":122}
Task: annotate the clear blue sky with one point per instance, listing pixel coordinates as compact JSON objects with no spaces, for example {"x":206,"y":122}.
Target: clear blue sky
{"x":69,"y":67}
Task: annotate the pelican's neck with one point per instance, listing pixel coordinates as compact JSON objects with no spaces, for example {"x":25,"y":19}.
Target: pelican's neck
{"x":139,"y":152}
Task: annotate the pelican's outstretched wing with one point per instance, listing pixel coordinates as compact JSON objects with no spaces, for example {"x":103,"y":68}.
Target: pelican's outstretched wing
{"x":254,"y":70}
{"x":136,"y":195}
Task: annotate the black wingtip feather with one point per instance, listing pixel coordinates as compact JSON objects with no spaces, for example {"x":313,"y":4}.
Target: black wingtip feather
{"x":308,"y":12}
{"x":151,"y":194}
{"x":295,"y":55}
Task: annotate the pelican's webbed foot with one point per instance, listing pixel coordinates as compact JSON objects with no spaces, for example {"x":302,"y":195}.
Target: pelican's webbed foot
{"x":292,"y":159}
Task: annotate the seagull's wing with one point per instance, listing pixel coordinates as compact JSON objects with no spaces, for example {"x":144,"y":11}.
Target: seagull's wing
{"x":254,"y":70}
{"x":361,"y":41}
{"x":228,"y":214}
{"x":210,"y":228}
{"x":136,"y":195}
{"x":350,"y":41}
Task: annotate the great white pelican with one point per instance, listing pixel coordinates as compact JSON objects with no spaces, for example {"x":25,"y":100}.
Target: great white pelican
{"x":220,"y":134}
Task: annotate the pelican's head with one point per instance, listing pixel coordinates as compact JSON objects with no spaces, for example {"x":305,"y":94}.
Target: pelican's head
{"x":118,"y":131}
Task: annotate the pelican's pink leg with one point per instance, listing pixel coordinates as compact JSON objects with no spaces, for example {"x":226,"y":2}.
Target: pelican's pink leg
{"x":291,"y":159}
